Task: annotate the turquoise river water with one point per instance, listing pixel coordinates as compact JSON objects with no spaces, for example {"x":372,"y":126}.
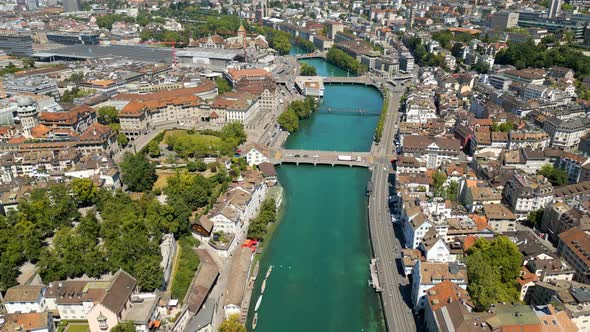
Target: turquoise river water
{"x":320,"y":250}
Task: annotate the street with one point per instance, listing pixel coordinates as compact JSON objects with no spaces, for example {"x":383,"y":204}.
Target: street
{"x":386,"y":246}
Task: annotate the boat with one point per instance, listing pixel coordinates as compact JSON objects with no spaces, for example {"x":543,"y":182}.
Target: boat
{"x":258,"y":303}
{"x":268,"y":272}
{"x":263,"y":286}
{"x":254,"y":321}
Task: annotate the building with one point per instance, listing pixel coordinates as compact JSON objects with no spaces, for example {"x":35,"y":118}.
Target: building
{"x":440,"y":296}
{"x":119,"y":301}
{"x":574,"y":247}
{"x":566,"y":133}
{"x":24,"y":299}
{"x":237,"y":106}
{"x":559,"y":217}
{"x":525,"y":193}
{"x":29,"y":322}
{"x":236,"y":283}
{"x":427,"y":275}
{"x":573,"y":297}
{"x":15,"y":43}
{"x":71,"y":6}
{"x":503,"y":20}
{"x":310,"y":85}
{"x":432,"y":151}
{"x":500,"y":218}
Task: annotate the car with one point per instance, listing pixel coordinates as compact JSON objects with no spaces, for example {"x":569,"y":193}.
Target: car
{"x":315,"y":156}
{"x":296,"y":156}
{"x":290,"y":155}
{"x":305,"y":156}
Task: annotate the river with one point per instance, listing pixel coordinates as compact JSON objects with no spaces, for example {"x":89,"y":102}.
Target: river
{"x":320,"y":250}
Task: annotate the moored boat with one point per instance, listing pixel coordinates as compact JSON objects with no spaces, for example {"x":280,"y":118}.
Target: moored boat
{"x":254,"y":321}
{"x":268,"y":272}
{"x":258,"y":303}
{"x":263,"y":286}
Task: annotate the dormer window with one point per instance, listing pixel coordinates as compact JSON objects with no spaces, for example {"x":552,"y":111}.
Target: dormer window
{"x":102,"y":322}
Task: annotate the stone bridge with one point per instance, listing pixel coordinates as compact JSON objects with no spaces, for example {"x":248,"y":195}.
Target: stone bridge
{"x":316,"y":157}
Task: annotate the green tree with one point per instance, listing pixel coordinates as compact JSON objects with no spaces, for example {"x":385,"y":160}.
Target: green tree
{"x":289,"y":121}
{"x":232,"y":324}
{"x":124,"y":327}
{"x":201,"y":166}
{"x":222,"y":85}
{"x":492,"y":268}
{"x":234,"y":132}
{"x":341,"y":59}
{"x":107,"y":115}
{"x":438,"y":180}
{"x":535,"y":218}
{"x":259,"y":225}
{"x":148,"y":273}
{"x":308,"y":70}
{"x":556,"y":176}
{"x":503,"y":127}
{"x":84,"y":191}
{"x":28,"y":62}
{"x":137,"y":172}
{"x":122,"y":140}
{"x":153,"y":149}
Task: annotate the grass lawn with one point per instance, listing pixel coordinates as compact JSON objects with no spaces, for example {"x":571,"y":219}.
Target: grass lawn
{"x":77,"y":327}
{"x":188,"y":263}
{"x":162,"y":180}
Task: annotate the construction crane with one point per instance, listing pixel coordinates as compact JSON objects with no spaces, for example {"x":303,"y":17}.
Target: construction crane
{"x":173,"y":43}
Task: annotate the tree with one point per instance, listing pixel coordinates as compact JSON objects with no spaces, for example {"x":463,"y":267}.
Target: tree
{"x":232,"y":324}
{"x":308,"y":70}
{"x":201,"y":166}
{"x":153,"y":149}
{"x":122,"y":140}
{"x":28,"y":62}
{"x":107,"y":115}
{"x":124,"y":327}
{"x":343,"y":60}
{"x":502,"y":127}
{"x":289,"y":120}
{"x":138,"y":173}
{"x":222,"y":85}
{"x":535,"y":218}
{"x":492,"y":268}
{"x":84,"y":191}
{"x":438,"y":180}
{"x":234,"y":131}
{"x":556,"y":176}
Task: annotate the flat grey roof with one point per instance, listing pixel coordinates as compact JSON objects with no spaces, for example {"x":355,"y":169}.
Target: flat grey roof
{"x":137,"y":53}
{"x":213,"y":53}
{"x":203,"y":318}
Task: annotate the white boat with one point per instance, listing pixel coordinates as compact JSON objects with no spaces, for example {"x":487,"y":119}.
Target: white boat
{"x":254,"y":321}
{"x":268,"y":272}
{"x":258,"y":303}
{"x":263,"y":286}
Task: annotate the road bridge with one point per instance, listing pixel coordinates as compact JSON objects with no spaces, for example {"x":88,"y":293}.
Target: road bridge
{"x":349,"y":111}
{"x":311,"y":55}
{"x":316,"y":157}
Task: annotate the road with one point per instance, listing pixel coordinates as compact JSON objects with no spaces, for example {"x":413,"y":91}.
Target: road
{"x":386,"y":247}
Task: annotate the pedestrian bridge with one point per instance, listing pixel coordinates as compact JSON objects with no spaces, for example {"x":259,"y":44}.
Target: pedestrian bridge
{"x":315,"y":157}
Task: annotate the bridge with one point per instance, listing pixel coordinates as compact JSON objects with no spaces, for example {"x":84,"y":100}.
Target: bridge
{"x":348,"y":111}
{"x":311,"y":55}
{"x":316,"y":157}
